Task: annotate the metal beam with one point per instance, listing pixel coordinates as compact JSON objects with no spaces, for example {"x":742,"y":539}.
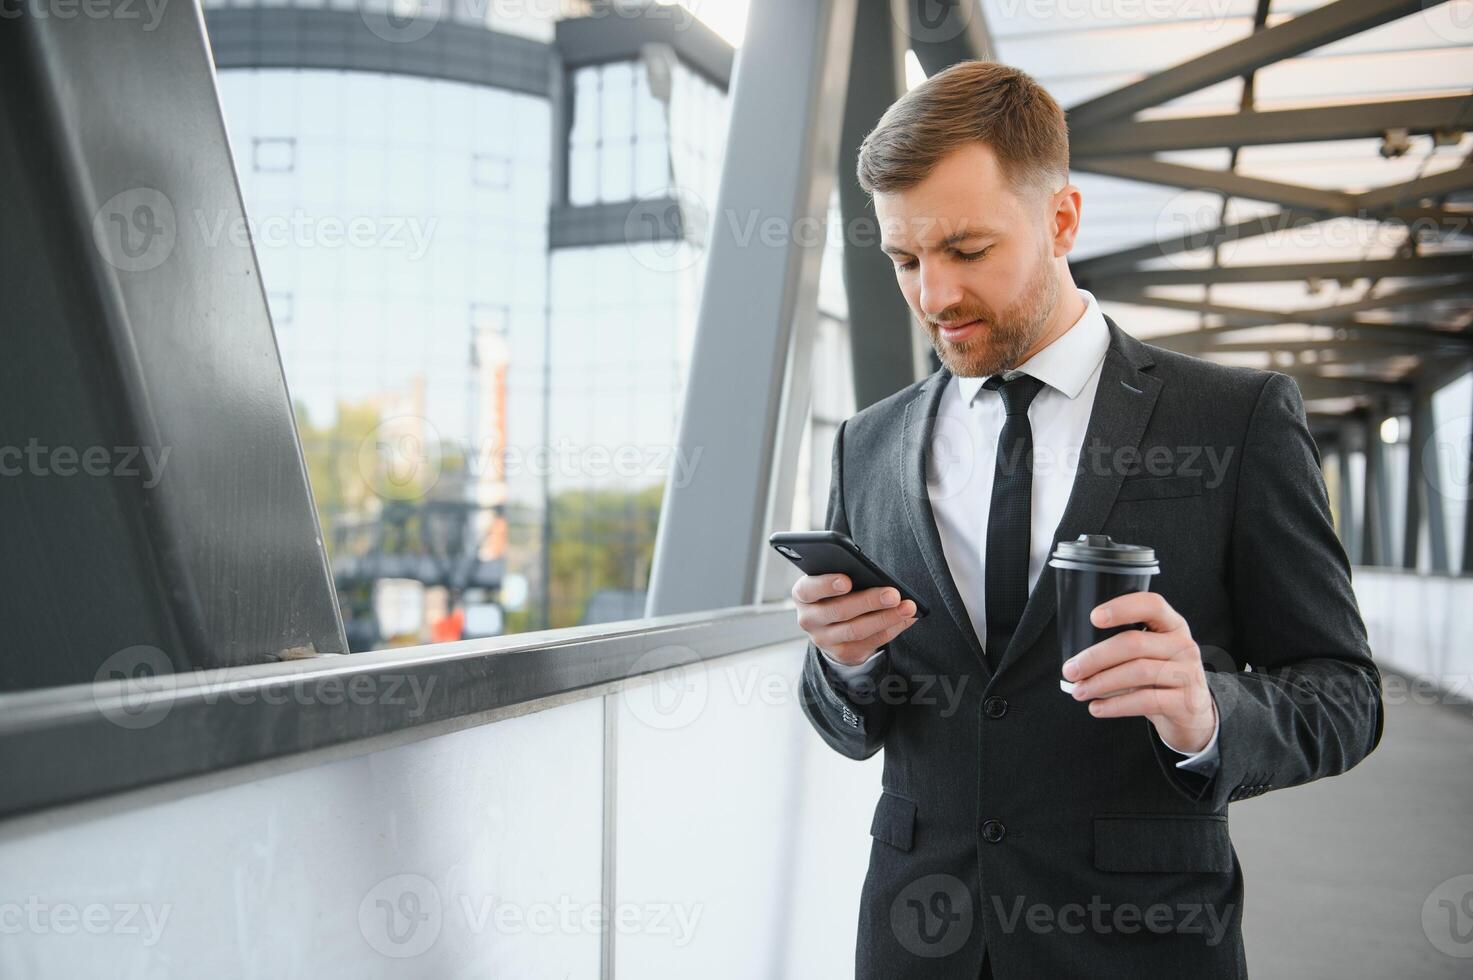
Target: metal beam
{"x":1149,"y":171}
{"x":1398,"y":202}
{"x":1423,"y":188}
{"x":1345,"y":350}
{"x":1437,"y":265}
{"x":1365,"y":120}
{"x":1341,"y":314}
{"x":169,"y":525}
{"x":1314,"y":386}
{"x":944,"y":32}
{"x":1305,"y":32}
{"x":781,"y":156}
{"x":879,"y":319}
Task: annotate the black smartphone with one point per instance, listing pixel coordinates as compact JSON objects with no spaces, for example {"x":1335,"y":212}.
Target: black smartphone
{"x":832,"y":553}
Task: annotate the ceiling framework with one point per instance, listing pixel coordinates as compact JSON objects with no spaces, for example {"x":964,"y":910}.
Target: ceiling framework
{"x":1389,"y":320}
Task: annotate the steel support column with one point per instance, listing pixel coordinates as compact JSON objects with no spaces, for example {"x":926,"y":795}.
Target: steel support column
{"x":1375,"y":509}
{"x":879,"y":321}
{"x":758,"y":303}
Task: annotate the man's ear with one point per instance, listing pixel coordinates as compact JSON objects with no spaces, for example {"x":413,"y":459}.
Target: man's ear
{"x":1064,"y":220}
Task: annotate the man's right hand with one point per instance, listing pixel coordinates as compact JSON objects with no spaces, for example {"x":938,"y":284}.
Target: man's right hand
{"x":850,"y":627}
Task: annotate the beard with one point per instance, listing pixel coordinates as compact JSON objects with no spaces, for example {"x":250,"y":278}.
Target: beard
{"x":1005,"y":336}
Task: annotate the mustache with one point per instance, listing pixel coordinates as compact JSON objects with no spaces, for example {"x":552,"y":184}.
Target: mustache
{"x":966,"y":317}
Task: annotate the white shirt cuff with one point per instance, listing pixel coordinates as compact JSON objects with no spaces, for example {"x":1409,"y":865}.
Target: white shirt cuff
{"x":850,"y":672}
{"x":1205,"y":761}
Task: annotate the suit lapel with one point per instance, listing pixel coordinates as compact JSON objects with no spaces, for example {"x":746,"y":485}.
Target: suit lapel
{"x":915,"y":450}
{"x":1123,"y":403}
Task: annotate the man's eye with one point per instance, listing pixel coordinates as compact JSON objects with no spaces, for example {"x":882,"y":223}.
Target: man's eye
{"x":973,"y":256}
{"x":906,"y":266}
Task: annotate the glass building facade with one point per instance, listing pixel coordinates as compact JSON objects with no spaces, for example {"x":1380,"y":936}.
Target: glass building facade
{"x":485,"y":282}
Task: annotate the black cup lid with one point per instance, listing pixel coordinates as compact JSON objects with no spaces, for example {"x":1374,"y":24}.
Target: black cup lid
{"x":1101,"y":549}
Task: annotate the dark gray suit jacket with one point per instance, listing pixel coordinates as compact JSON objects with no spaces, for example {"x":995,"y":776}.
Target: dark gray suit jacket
{"x":1013,"y":820}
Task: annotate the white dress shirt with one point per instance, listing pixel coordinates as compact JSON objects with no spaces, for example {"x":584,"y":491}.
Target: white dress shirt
{"x":963,"y":457}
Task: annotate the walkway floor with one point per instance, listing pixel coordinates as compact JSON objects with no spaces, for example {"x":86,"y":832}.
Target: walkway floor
{"x":1337,"y":872}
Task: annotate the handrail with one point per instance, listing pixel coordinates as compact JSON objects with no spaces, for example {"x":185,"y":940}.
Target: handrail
{"x":68,"y":744}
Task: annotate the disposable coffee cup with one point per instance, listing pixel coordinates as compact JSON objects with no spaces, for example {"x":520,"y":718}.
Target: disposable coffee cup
{"x":1088,"y":571}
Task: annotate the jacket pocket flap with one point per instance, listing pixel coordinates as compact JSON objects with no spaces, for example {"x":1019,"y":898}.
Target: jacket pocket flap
{"x":1163,"y":842}
{"x":1157,"y":487}
{"x":895,"y":821}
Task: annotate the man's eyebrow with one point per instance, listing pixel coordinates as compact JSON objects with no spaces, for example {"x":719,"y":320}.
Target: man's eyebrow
{"x":968,"y":233}
{"x":893,"y":250}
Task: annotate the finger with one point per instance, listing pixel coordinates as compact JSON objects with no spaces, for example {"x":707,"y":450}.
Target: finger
{"x":1142,"y":672}
{"x":845,"y":607}
{"x":1118,"y":649}
{"x":1144,"y":701}
{"x":860,"y":650}
{"x":812,"y":588}
{"x":859,"y":627}
{"x":1138,"y":607}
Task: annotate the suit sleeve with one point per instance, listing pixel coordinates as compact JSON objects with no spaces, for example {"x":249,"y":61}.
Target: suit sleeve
{"x":850,"y":717}
{"x":1310,"y":703}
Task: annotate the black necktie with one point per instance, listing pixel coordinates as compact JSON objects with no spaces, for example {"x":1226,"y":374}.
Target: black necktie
{"x":1009,"y":521}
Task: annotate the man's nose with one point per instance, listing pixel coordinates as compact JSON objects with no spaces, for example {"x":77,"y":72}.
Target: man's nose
{"x":940,"y":290}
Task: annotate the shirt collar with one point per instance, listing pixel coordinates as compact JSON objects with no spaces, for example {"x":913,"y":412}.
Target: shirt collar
{"x":1067,"y":363}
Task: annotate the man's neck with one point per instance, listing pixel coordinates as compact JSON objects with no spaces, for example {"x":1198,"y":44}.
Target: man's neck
{"x":1065,"y":315}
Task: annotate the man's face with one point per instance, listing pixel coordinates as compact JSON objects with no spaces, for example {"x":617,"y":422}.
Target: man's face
{"x":975,"y":260}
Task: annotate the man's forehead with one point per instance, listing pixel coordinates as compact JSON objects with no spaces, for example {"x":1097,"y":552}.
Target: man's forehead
{"x":908,"y":231}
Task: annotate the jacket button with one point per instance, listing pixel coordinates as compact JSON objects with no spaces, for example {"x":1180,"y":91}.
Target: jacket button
{"x":995,"y":707}
{"x":993,"y":831}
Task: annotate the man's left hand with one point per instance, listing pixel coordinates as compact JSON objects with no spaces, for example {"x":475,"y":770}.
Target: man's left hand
{"x":1155,"y":672}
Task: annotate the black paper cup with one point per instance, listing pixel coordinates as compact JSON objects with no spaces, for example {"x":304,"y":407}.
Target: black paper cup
{"x":1088,"y":571}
